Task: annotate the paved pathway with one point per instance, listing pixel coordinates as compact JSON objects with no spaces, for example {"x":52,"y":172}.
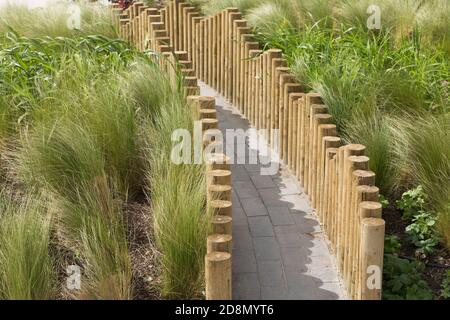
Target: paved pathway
{"x":279,"y":251}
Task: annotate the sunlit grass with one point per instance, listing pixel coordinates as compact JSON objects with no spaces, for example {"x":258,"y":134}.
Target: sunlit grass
{"x":27,"y":268}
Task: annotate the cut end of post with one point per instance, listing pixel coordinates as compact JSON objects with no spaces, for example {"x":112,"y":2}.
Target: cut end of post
{"x":218,"y":256}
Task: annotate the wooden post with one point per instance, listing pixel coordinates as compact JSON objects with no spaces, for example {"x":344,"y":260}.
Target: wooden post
{"x":222,"y":225}
{"x":234,"y":15}
{"x":315,"y":144}
{"x":196,"y":44}
{"x":188,"y":13}
{"x":190,"y":32}
{"x":318,"y":115}
{"x":343,"y":190}
{"x":254,"y":54}
{"x":223,"y":18}
{"x":218,"y":161}
{"x":249,"y":46}
{"x":311,"y":100}
{"x":277,"y":98}
{"x":365,"y":194}
{"x":328,"y":142}
{"x":218,"y":276}
{"x":208,"y":124}
{"x":289,"y":88}
{"x":240,"y":27}
{"x":218,"y":37}
{"x":327,"y":204}
{"x":366,"y":179}
{"x":208,"y":113}
{"x":293,"y":142}
{"x":206,"y":102}
{"x":372,"y":247}
{"x":221,"y":207}
{"x":219,"y":243}
{"x":244,"y":36}
{"x":222,"y":177}
{"x":219,"y":192}
{"x":352,"y":164}
{"x":332,"y":204}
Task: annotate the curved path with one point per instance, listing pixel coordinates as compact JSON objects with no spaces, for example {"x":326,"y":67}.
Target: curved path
{"x":279,"y":250}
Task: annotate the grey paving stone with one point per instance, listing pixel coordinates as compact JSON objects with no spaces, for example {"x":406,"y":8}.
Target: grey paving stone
{"x":289,"y":186}
{"x":294,"y":259}
{"x":246,"y":286}
{"x":260,"y":226}
{"x":266,"y":248}
{"x":280,"y":216}
{"x":242,"y":238}
{"x":274,"y":293}
{"x":239,"y":216}
{"x":244,"y":261}
{"x":323,"y":274}
{"x":306,"y":226}
{"x":301,"y":286}
{"x":235,"y":200}
{"x":262,"y":182}
{"x":271,"y":273}
{"x":252,"y":167}
{"x":296,"y":203}
{"x":254,"y":207}
{"x":319,"y":248}
{"x":319,"y":262}
{"x":290,"y":240}
{"x":285,"y":229}
{"x":331,"y":291}
{"x":245,"y":189}
{"x":271,"y":197}
{"x":239,"y":174}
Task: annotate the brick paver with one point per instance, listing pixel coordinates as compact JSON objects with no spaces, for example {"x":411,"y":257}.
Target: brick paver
{"x":279,"y":250}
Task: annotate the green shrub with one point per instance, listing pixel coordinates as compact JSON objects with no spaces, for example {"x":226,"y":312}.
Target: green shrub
{"x":411,"y":202}
{"x":422,"y":232}
{"x":402,"y":280}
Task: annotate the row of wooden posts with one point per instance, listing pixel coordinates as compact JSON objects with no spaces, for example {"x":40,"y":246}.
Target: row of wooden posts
{"x":223,"y":52}
{"x":150,"y":33}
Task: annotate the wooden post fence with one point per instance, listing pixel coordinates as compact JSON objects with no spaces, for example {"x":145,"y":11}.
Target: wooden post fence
{"x":221,"y":51}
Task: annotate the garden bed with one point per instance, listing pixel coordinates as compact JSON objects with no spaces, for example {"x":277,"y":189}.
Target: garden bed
{"x":91,"y":205}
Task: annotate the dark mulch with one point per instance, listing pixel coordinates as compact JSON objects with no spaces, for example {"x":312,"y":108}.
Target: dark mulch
{"x":143,"y":252}
{"x":436,"y":265}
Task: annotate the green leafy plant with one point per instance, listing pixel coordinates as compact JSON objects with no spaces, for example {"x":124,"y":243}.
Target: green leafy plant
{"x":391,"y":244}
{"x":422,"y":232}
{"x":402,"y":280}
{"x":383,"y":200}
{"x":411,"y":202}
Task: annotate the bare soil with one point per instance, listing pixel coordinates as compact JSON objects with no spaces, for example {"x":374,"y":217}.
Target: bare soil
{"x":143,"y":252}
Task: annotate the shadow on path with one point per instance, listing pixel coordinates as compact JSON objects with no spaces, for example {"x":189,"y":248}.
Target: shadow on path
{"x":279,"y":250}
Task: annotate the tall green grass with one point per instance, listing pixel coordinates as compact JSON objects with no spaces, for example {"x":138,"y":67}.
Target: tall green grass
{"x":27,"y":267}
{"x":88,"y":121}
{"x":177,"y":194}
{"x":52,"y":21}
{"x":423,"y":148}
